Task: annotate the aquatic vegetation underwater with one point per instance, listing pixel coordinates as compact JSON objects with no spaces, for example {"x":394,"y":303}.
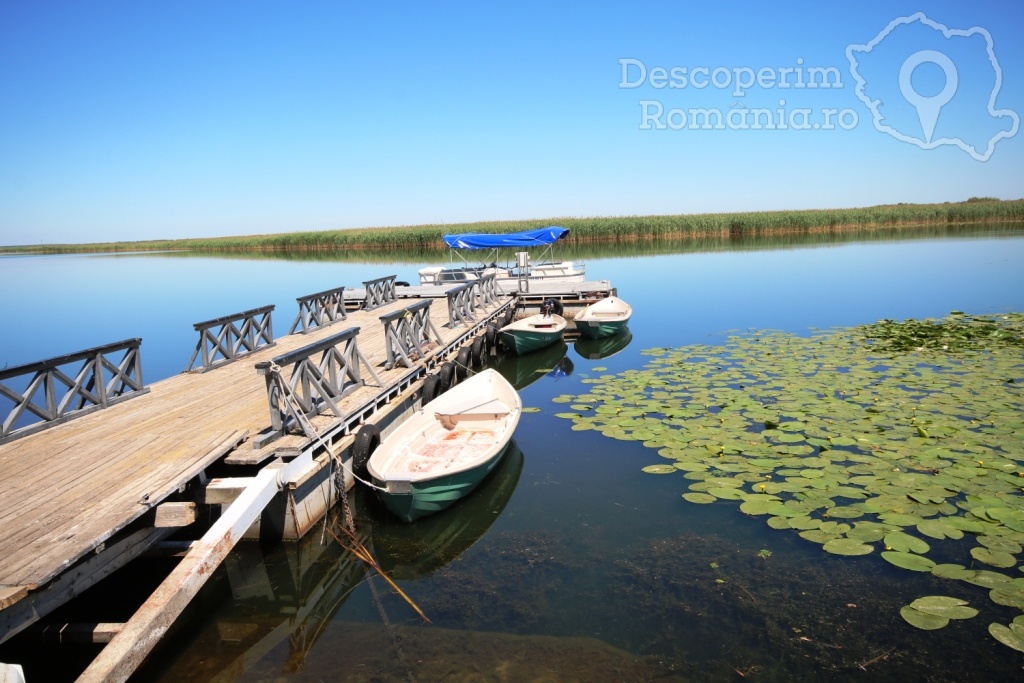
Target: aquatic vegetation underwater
{"x":898,"y":439}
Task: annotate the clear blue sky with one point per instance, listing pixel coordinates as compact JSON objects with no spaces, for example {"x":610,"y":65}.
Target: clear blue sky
{"x":146,"y":120}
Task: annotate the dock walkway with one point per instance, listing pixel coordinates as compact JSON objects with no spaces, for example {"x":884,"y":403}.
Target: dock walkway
{"x":66,"y":490}
{"x":87,"y":494}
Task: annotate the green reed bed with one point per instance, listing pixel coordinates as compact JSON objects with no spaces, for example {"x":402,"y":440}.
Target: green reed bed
{"x":595,"y":229}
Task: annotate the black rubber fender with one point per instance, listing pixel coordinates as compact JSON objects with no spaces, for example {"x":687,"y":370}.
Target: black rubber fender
{"x":367,"y":440}
{"x":446,"y":375}
{"x":477,"y":351}
{"x":552,"y":306}
{"x":491,"y":337}
{"x":431,"y":388}
{"x":462,"y":362}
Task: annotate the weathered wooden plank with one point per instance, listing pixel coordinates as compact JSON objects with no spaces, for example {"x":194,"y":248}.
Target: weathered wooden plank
{"x":140,"y":634}
{"x":224,"y":490}
{"x":88,"y":633}
{"x":11,"y":594}
{"x":174,"y":515}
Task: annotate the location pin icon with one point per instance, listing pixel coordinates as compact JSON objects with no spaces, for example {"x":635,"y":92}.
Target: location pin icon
{"x":928,"y":107}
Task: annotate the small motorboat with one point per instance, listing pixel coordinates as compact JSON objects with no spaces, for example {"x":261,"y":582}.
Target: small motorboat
{"x":532,"y":332}
{"x":603,"y":318}
{"x":441,"y":452}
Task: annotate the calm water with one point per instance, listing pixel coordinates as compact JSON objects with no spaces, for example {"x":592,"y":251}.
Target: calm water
{"x":571,"y":564}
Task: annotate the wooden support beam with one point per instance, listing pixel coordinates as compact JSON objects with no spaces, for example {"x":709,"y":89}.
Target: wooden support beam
{"x":77,"y":633}
{"x":170,"y":549}
{"x":223,"y":491}
{"x":174,"y":515}
{"x":129,"y":648}
{"x":39,"y":603}
{"x":11,"y":594}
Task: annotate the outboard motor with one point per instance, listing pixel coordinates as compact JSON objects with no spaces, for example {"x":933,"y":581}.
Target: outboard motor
{"x":551,"y":306}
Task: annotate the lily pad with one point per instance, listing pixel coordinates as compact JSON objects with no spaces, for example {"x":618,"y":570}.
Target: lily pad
{"x":944,"y":606}
{"x":660,"y":469}
{"x":916,"y":563}
{"x":758,"y":505}
{"x":698,"y":497}
{"x":726,"y":493}
{"x":899,"y":541}
{"x":939,"y":529}
{"x":847,"y":546}
{"x":996,"y":558}
{"x":1009,"y":595}
{"x":1010,"y":636}
{"x":922,"y":620}
{"x":950,"y":571}
{"x":985,"y":578}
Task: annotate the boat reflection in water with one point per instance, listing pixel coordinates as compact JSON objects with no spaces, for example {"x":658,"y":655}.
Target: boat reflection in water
{"x":265,"y":608}
{"x":407,"y":551}
{"x":596,"y":349}
{"x":522,"y":371}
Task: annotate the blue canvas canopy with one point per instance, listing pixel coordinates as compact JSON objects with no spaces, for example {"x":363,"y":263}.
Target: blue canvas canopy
{"x":528,"y":238}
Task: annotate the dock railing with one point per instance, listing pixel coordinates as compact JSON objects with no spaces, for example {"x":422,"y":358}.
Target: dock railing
{"x":319,"y":310}
{"x":407,"y":334}
{"x":486,"y":290}
{"x":321,"y":374}
{"x":52,"y":395}
{"x":462,"y":305}
{"x":379,"y":292}
{"x":223,"y":339}
{"x":466,"y":298}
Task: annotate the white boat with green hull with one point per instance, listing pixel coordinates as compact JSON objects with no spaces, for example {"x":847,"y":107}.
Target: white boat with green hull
{"x":532,"y":332}
{"x":440,"y":453}
{"x":603,"y":318}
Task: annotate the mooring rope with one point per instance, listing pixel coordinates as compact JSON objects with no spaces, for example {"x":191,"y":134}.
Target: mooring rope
{"x":307,"y":425}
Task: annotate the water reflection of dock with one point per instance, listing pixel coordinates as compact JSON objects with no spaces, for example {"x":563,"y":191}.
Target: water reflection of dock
{"x":285,"y":593}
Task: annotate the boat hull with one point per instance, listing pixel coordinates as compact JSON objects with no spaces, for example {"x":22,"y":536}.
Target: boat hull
{"x":554,"y":272}
{"x":439,"y":454}
{"x":599,"y":329}
{"x":604,"y":318}
{"x":429,"y":497}
{"x":522,"y":342}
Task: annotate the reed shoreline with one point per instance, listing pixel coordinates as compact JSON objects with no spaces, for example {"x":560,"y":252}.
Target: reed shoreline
{"x":623,"y":229}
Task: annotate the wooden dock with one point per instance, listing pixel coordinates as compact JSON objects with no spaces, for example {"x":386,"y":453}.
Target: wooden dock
{"x":97,"y":488}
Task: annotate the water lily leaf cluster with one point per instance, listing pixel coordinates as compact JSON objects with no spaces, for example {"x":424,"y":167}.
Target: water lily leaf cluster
{"x":935,"y":611}
{"x":847,"y":438}
{"x":956,"y":333}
